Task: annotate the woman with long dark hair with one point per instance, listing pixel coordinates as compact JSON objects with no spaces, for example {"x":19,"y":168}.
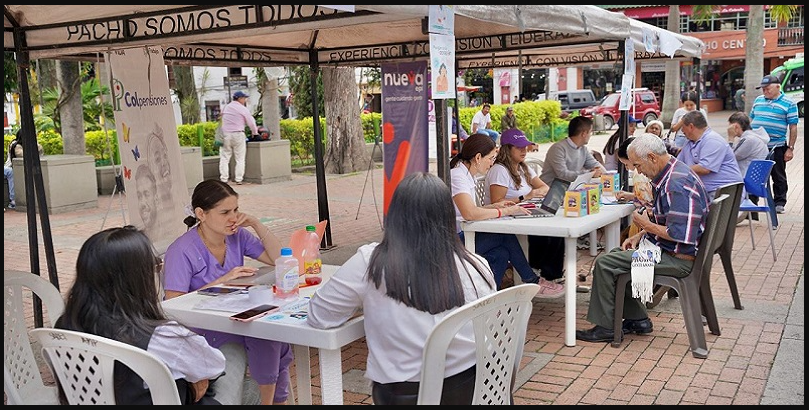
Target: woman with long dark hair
{"x":212,"y":253}
{"x":115,"y":295}
{"x":407,"y":283}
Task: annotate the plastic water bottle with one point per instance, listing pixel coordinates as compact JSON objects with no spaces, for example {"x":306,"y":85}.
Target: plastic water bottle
{"x":286,"y":275}
{"x":312,"y":264}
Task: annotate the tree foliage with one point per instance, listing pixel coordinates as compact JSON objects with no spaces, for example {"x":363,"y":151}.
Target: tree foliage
{"x":301,"y":85}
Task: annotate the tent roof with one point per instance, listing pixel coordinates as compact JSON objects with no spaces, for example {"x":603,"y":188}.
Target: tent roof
{"x":286,"y":34}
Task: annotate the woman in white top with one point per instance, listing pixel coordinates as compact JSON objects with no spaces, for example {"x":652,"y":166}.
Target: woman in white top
{"x":405,"y":285}
{"x":511,"y":179}
{"x":476,"y":158}
{"x":689,"y":100}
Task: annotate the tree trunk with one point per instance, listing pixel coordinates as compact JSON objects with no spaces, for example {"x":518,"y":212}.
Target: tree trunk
{"x":186,"y":90}
{"x":269,"y":105}
{"x":671,"y":94}
{"x":754,"y":55}
{"x":70,"y":107}
{"x":346,"y":149}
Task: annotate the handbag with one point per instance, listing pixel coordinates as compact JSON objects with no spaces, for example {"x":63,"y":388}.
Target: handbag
{"x":219,"y":136}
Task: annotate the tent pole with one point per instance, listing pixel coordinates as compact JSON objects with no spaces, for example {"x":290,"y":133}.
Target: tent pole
{"x":320,"y":169}
{"x":34,"y":186}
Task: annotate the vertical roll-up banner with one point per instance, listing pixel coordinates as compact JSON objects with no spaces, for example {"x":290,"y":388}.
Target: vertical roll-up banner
{"x":151,"y":162}
{"x":404,"y":127}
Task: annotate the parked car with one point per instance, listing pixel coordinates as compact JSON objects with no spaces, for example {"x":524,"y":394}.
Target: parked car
{"x":645,"y":107}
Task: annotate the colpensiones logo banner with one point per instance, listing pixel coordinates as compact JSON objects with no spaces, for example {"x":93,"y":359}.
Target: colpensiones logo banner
{"x":147,"y":139}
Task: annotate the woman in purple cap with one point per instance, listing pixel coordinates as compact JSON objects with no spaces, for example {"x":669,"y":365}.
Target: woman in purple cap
{"x":510,"y":179}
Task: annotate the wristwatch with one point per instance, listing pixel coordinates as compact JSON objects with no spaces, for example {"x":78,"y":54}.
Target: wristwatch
{"x":792,"y":147}
{"x":522,"y":198}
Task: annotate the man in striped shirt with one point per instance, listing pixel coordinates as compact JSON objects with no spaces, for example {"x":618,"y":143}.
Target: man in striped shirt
{"x":675,"y":224}
{"x":778,"y":115}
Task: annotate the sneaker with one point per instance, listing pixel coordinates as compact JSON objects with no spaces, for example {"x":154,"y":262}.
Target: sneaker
{"x":12,"y":205}
{"x":779,"y":209}
{"x":550,"y":291}
{"x":238,"y":182}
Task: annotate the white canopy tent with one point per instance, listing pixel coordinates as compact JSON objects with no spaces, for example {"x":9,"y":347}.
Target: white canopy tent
{"x":272,"y":35}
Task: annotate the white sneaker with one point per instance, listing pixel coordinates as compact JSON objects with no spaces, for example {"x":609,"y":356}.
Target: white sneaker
{"x":779,"y":209}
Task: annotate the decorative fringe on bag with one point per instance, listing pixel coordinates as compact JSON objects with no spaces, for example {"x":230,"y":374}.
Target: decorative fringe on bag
{"x":644,"y":260}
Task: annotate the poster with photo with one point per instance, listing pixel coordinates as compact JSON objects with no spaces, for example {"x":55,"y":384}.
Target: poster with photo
{"x":154,"y":178}
{"x":442,"y":66}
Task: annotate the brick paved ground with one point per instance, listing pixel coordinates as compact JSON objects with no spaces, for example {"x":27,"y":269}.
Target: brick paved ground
{"x":653,"y":369}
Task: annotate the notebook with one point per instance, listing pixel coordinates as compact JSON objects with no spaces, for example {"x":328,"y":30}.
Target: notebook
{"x":551,"y":202}
{"x":264,"y":276}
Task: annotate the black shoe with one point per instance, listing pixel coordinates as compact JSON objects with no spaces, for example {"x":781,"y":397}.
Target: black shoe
{"x":639,"y":326}
{"x":596,"y":334}
{"x":672,"y":293}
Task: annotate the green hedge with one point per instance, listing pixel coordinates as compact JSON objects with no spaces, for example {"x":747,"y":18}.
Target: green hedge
{"x":538,"y":119}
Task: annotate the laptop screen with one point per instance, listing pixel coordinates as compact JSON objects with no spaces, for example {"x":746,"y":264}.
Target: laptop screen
{"x":556,"y":194}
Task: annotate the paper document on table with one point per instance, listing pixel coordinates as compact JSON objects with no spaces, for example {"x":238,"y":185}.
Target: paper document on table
{"x":234,"y":302}
{"x":293,"y":312}
{"x":609,"y":199}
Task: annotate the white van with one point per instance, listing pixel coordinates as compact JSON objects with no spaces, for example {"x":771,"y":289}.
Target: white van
{"x":791,"y":76}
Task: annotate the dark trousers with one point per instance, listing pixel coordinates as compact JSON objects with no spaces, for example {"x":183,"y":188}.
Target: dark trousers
{"x":779,"y":176}
{"x":500,"y":249}
{"x":458,"y":389}
{"x":547,"y":253}
{"x":607,"y":267}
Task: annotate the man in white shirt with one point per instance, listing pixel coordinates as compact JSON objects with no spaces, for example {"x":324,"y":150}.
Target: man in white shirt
{"x":482,"y":123}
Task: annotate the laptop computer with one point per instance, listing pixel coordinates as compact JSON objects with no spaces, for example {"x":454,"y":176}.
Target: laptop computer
{"x":265,"y":275}
{"x":582,"y":179}
{"x":552,"y":201}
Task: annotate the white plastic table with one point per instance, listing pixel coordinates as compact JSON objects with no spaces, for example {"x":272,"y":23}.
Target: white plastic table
{"x":300,"y":336}
{"x":609,"y":217}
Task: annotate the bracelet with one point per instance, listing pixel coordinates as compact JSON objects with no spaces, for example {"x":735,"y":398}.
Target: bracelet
{"x":266,"y":231}
{"x":499,"y":214}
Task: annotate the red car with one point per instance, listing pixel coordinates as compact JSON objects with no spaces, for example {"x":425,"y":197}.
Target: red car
{"x":645,"y":107}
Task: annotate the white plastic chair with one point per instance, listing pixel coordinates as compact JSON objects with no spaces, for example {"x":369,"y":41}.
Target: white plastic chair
{"x":22,"y":380}
{"x":83,"y":364}
{"x":500,"y":321}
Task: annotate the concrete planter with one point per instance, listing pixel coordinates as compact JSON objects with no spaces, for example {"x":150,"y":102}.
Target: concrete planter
{"x":70,"y":182}
{"x":192,"y":164}
{"x":265,"y":162}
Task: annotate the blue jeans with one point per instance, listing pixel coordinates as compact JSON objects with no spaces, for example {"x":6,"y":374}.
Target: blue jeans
{"x":491,"y":133}
{"x":9,"y":173}
{"x":499,"y":250}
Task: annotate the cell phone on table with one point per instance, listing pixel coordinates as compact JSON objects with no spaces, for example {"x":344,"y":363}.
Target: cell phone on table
{"x":217,"y":290}
{"x":254,"y":313}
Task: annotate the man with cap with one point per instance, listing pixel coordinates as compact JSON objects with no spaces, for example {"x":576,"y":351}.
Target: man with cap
{"x":779,"y":116}
{"x":611,"y":148}
{"x":235,"y":117}
{"x":508,"y":121}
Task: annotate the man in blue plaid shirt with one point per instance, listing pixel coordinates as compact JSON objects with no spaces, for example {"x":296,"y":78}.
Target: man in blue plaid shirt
{"x":675,"y":224}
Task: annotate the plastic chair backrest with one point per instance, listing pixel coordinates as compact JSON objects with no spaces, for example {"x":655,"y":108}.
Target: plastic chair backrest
{"x":22,"y":380}
{"x":500,"y":321}
{"x":83,"y":363}
{"x":712,"y":236}
{"x":757,"y":176}
{"x":480,"y":191}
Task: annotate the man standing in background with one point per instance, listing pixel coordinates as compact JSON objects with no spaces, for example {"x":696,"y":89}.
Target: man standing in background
{"x":778,"y":115}
{"x":235,"y":117}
